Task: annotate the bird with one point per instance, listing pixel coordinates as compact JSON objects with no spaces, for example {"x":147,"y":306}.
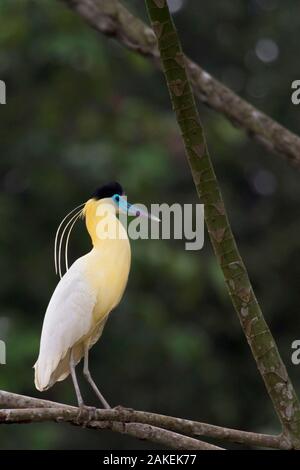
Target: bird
{"x":88,"y":291}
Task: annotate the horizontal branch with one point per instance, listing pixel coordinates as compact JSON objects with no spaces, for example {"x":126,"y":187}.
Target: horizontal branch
{"x":139,"y":430}
{"x":111,"y":18}
{"x":43,"y":410}
{"x":104,"y":418}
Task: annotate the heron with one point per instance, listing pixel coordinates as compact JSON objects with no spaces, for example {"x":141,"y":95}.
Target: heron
{"x":88,"y":291}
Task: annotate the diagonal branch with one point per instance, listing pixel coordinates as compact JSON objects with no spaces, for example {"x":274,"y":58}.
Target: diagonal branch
{"x":111,"y":18}
{"x":45,"y":410}
{"x":255,"y":328}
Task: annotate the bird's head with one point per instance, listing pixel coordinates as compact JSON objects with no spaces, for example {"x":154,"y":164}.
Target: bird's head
{"x":107,"y":201}
{"x":112,"y":197}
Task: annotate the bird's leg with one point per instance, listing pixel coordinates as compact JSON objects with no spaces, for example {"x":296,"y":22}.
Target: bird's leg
{"x":86,"y":413}
{"x":75,"y":382}
{"x":88,"y":377}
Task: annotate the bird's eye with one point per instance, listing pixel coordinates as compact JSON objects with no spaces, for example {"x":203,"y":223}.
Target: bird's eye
{"x":116,"y":197}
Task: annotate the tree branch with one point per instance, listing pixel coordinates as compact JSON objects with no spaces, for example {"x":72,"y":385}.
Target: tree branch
{"x":256,"y":330}
{"x":111,"y":18}
{"x":113,"y":423}
{"x":45,"y":410}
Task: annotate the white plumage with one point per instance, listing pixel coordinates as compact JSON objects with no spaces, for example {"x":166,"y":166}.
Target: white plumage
{"x":69,"y":318}
{"x":83,"y":299}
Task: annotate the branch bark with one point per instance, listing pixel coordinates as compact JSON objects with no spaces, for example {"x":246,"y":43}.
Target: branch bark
{"x":27,"y":409}
{"x":147,"y":432}
{"x":111,"y":18}
{"x":43,"y":410}
{"x":256,"y":330}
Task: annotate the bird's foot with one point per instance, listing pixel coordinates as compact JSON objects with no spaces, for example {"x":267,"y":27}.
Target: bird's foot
{"x":86,"y":414}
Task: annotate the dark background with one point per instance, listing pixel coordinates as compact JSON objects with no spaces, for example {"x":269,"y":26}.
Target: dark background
{"x":81,"y":111}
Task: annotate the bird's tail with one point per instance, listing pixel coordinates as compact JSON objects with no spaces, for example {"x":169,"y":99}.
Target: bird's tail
{"x":44,"y":372}
{"x":41,"y":377}
{"x":48,"y":372}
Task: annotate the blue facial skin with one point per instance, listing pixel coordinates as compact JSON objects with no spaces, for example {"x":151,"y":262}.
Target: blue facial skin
{"x":124,"y":206}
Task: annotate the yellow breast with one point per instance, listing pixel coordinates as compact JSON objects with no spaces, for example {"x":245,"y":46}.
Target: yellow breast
{"x":109,"y":261}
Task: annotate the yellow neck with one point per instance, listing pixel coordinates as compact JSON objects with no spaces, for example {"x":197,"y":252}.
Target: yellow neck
{"x":102,"y":222}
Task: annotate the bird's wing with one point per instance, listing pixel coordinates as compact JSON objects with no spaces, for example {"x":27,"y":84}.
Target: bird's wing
{"x":68,"y":319}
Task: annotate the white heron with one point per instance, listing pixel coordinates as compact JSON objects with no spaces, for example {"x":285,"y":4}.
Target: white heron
{"x":87,"y":292}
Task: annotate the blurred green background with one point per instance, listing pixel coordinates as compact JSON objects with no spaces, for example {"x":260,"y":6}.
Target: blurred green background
{"x":81,"y":111}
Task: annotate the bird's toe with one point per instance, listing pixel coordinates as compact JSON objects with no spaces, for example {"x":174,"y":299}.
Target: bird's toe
{"x":122,"y":408}
{"x":86,"y":414}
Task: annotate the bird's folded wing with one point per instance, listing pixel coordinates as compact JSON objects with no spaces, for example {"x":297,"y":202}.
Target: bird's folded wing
{"x":69,"y":317}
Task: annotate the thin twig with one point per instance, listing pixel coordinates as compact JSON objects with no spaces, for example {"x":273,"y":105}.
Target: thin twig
{"x":111,"y":18}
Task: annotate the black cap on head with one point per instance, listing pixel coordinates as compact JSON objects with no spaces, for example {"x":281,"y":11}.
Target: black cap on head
{"x":108,"y":190}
